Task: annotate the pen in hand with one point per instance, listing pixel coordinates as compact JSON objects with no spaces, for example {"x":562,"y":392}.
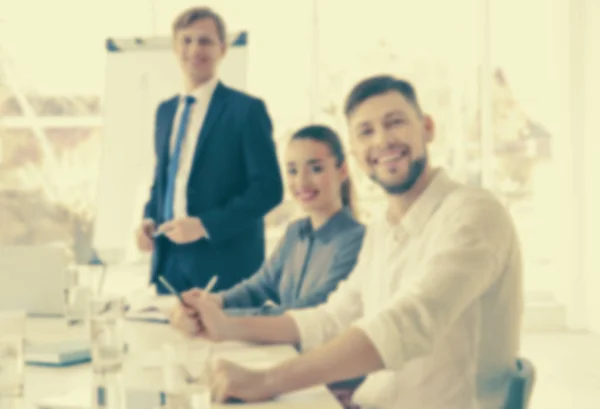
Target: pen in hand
{"x":209,"y":287}
{"x":159,"y":233}
{"x":211,"y":284}
{"x":172,"y":290}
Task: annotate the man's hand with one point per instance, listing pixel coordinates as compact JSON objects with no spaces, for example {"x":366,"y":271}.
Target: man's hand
{"x":231,"y":381}
{"x":184,"y":230}
{"x":145,"y":242}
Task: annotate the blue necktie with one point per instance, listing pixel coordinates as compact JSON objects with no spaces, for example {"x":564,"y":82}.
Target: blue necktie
{"x":174,"y":160}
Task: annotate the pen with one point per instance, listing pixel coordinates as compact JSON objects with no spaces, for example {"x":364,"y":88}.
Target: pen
{"x":209,"y":287}
{"x":211,"y":284}
{"x":159,"y":233}
{"x":171,"y":289}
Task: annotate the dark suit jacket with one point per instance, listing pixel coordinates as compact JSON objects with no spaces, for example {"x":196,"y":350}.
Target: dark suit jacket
{"x":234,"y":181}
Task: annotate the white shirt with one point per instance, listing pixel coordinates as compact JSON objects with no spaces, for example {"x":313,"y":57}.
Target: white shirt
{"x":203,"y":95}
{"x":440,"y":297}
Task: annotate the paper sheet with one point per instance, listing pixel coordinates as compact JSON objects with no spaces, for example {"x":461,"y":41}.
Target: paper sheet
{"x":151,"y":308}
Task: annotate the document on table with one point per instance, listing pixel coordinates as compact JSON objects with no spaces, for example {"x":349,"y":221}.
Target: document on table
{"x":151,"y":308}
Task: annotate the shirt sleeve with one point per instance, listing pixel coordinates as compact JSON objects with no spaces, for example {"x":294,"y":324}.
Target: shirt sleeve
{"x":262,"y":286}
{"x":243,"y":312}
{"x":465,"y":260}
{"x":318,"y":325}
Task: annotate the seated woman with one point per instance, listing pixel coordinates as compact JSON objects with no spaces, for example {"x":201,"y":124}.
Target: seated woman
{"x":316,"y":252}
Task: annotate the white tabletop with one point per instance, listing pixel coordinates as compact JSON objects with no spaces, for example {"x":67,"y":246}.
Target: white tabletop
{"x":142,"y":365}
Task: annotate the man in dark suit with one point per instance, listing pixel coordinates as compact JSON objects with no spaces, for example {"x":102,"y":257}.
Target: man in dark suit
{"x":216,"y":174}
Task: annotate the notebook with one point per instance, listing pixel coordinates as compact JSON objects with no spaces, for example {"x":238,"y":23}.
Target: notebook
{"x":58,"y":354}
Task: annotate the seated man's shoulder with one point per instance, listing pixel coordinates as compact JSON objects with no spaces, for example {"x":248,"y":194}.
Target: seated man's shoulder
{"x":476,"y":204}
{"x":473,"y":216}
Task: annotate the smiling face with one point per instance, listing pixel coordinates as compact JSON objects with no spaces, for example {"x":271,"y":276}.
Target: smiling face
{"x":313,"y":176}
{"x":199,"y":50}
{"x":389,"y":139}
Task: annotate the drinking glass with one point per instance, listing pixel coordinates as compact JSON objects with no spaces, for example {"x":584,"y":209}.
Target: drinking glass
{"x":12,"y":340}
{"x":108,"y":391}
{"x":186,"y":375}
{"x":78,"y":294}
{"x":107,"y":333}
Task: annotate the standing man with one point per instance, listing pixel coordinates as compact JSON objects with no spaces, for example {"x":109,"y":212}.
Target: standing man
{"x":216,"y":174}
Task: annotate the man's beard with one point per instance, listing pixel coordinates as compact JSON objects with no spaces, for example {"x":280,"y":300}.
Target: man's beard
{"x":415,"y":170}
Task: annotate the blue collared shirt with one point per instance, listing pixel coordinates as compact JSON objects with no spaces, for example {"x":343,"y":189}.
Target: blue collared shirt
{"x":303,"y":270}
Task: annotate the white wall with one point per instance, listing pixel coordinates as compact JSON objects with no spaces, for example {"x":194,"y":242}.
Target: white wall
{"x":279,"y":62}
{"x":579,"y":224}
{"x":592,"y":162}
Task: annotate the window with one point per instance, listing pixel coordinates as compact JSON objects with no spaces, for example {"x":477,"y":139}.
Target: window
{"x":499,"y":104}
{"x":381,"y":37}
{"x":529,"y":113}
{"x":495,"y":80}
{"x":51,"y":83}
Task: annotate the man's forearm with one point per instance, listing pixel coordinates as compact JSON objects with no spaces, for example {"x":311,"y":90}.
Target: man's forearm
{"x":349,"y":355}
{"x":265,"y":330}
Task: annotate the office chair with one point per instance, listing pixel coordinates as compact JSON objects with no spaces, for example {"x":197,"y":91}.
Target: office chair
{"x":521,"y":386}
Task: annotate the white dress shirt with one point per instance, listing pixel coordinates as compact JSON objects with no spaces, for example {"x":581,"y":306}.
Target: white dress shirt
{"x":203,"y":95}
{"x":440,"y":297}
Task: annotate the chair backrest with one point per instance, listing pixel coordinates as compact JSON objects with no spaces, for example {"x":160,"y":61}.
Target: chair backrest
{"x":521,"y":386}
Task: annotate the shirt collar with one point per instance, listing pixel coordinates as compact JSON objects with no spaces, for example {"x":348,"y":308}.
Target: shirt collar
{"x":203,"y":92}
{"x":330,"y":228}
{"x":427,"y":203}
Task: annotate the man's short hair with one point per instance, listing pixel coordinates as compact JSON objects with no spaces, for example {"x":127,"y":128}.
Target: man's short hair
{"x":378,"y":85}
{"x":191,"y":15}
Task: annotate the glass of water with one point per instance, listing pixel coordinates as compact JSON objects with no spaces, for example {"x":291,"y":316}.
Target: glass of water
{"x":82,"y":282}
{"x":106,"y":316}
{"x":78,"y":293}
{"x":12,"y":340}
{"x":186,"y":372}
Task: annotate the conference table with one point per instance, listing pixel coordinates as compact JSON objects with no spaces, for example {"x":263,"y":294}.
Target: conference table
{"x":142,"y":367}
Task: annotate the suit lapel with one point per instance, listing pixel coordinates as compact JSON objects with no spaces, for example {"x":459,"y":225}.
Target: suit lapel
{"x":169,"y":112}
{"x":164,"y":127}
{"x":215,"y":107}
